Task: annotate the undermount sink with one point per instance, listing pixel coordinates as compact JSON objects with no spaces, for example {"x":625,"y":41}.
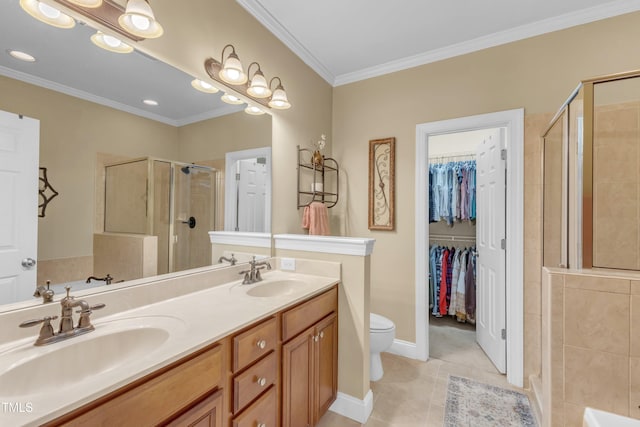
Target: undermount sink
{"x":275,"y":288}
{"x":27,"y":370}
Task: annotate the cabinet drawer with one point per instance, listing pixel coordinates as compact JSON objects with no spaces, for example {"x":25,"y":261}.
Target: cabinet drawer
{"x":262,"y":413}
{"x":253,"y":344}
{"x":306,"y":314}
{"x":248,"y":385}
{"x":157,"y":399}
{"x":206,"y":413}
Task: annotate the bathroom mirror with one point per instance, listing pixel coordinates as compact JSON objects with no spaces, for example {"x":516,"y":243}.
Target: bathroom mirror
{"x":89,"y":118}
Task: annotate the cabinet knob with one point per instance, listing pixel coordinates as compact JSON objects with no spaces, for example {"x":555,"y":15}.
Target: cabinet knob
{"x":261,"y":381}
{"x":321,"y":334}
{"x":262,"y":425}
{"x":261,"y":344}
{"x":315,"y":338}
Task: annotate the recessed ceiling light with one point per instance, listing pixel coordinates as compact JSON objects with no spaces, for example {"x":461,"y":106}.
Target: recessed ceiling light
{"x":150,"y":102}
{"x":22,"y":56}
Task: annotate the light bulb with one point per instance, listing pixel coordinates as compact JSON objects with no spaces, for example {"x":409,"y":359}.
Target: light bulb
{"x":48,"y":11}
{"x":140,"y":22}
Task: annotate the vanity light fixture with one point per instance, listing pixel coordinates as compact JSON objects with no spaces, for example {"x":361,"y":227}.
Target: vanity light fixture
{"x":258,"y":86}
{"x":47,"y":14}
{"x":138,"y":19}
{"x":231,"y":99}
{"x":253,"y":110}
{"x":91,"y":4}
{"x":22,"y":56}
{"x":231,"y":71}
{"x":150,"y":102}
{"x":110,"y":43}
{"x":203,"y":86}
{"x":279,"y":99}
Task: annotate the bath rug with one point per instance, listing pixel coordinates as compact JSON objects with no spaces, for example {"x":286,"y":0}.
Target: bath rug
{"x":470,"y":403}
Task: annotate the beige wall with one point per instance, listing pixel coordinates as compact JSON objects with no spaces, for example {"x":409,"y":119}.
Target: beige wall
{"x":537,"y":74}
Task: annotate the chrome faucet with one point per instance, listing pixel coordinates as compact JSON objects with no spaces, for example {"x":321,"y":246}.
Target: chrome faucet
{"x":232,"y":260}
{"x":66,"y":329}
{"x":46,"y":293}
{"x":253,"y":275}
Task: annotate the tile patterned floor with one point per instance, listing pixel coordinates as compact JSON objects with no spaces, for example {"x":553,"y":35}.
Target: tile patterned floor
{"x":413,"y":393}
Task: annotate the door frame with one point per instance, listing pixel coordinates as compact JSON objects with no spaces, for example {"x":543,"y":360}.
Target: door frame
{"x":513,"y":121}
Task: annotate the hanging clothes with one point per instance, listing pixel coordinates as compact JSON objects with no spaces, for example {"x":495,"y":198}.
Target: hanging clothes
{"x":452,"y":282}
{"x":452,"y":191}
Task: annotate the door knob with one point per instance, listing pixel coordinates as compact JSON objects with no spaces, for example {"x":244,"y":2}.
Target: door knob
{"x":28,"y":262}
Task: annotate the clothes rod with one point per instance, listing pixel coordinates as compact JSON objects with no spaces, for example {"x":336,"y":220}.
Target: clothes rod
{"x":452,"y":238}
{"x":452,"y":157}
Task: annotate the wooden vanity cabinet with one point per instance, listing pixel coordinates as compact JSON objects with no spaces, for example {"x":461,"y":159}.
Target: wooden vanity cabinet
{"x":188,"y":392}
{"x":310,"y":360}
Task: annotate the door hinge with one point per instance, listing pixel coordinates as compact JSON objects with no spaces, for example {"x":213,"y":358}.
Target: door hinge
{"x":504,"y":334}
{"x":503,"y":154}
{"x":237,"y":177}
{"x":503,"y":244}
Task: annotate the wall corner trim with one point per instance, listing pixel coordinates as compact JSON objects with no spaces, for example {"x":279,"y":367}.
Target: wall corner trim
{"x":350,"y":407}
{"x":358,"y":246}
{"x":260,"y":240}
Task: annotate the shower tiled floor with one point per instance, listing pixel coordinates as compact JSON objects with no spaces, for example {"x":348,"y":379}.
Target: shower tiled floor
{"x":413,"y":393}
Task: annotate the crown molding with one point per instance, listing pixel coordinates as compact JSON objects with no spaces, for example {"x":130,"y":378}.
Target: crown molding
{"x":76,"y":93}
{"x":258,"y":11}
{"x":585,"y":16}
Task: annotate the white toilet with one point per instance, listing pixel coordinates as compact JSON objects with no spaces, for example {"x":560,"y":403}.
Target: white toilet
{"x":382,"y":331}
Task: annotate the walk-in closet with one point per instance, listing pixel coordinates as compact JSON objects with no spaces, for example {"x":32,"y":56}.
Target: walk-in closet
{"x":453,"y":255}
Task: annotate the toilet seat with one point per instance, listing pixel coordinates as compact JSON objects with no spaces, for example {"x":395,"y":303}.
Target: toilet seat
{"x":379,"y":323}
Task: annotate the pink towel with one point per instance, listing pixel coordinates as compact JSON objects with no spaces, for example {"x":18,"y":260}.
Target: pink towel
{"x":316,"y":218}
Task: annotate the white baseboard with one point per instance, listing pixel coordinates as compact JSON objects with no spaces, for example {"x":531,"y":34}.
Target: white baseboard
{"x":404,"y":349}
{"x":350,"y":407}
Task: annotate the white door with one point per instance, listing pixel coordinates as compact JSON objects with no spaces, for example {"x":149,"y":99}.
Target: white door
{"x":19,"y":141}
{"x":490,"y":235}
{"x":251,"y":195}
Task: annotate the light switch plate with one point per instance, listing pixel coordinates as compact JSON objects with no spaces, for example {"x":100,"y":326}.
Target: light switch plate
{"x":288,"y":264}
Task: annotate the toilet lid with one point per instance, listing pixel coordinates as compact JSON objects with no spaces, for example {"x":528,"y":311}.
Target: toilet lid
{"x":379,"y":323}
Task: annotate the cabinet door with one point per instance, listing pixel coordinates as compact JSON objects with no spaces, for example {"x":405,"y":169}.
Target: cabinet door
{"x":297,"y":378}
{"x":206,"y":413}
{"x":326,"y":366}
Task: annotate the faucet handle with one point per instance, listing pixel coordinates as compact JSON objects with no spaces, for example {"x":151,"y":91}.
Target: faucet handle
{"x":93,"y":307}
{"x":34,"y":322}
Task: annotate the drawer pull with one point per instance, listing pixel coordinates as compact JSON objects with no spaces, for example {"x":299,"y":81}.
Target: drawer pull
{"x":262,"y":425}
{"x":315,"y":338}
{"x":321,"y":334}
{"x":261,"y":381}
{"x":261,"y":344}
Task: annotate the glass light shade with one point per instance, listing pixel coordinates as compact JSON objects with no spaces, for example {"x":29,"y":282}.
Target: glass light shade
{"x":231,"y":99}
{"x":279,"y":99}
{"x":139,"y":20}
{"x":203,"y":86}
{"x":232,"y":71}
{"x":254,"y":111}
{"x":110,"y":43}
{"x":87,"y":3}
{"x":259,"y":87}
{"x":47,"y":14}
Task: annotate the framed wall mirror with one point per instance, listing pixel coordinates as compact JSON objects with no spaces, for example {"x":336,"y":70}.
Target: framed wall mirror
{"x":88,"y":102}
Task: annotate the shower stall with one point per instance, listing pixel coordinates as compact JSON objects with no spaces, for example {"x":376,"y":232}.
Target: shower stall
{"x":174,"y":201}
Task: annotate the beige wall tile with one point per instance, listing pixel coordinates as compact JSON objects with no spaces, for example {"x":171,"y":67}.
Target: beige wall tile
{"x":598,"y":379}
{"x":634,"y":387}
{"x":597,"y":320}
{"x":63,"y":270}
{"x":635,"y":287}
{"x":573,"y":415}
{"x":597,"y":283}
{"x":634,"y":333}
{"x":532,"y":296}
{"x":532,"y":349}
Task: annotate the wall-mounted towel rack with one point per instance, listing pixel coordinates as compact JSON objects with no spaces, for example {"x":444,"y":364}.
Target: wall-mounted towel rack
{"x":314,"y":169}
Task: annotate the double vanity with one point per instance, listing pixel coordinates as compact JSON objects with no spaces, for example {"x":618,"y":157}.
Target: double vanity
{"x":196,"y":348}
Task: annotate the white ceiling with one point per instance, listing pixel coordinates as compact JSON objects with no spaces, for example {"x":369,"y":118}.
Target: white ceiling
{"x":350,"y":40}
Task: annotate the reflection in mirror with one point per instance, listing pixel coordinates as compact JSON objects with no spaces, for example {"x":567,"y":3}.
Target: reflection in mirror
{"x":83,"y":131}
{"x":554,"y":248}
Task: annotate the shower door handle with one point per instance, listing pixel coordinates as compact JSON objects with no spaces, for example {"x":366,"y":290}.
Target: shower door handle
{"x":191,"y":222}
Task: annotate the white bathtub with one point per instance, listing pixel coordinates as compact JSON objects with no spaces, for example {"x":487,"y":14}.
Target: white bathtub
{"x":596,"y":418}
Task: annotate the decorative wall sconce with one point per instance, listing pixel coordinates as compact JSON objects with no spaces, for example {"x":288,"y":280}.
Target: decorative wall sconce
{"x":137,"y":22}
{"x":228,"y":71}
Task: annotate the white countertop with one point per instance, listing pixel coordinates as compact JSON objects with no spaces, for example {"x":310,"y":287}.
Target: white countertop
{"x":201,"y":318}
